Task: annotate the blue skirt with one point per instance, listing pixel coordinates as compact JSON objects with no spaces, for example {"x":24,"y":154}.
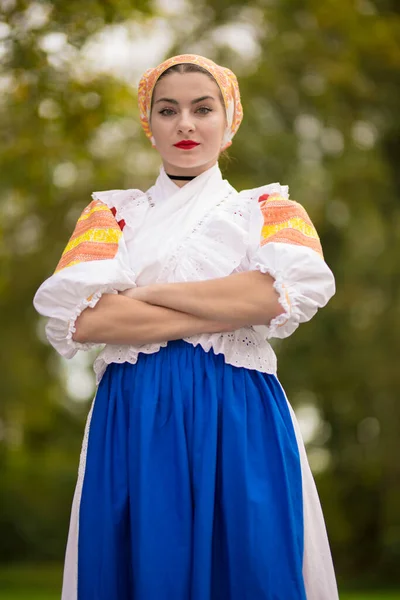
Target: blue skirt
{"x":192,"y":485}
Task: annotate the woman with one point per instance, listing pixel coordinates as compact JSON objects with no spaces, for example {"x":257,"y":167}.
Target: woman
{"x":193,"y":480}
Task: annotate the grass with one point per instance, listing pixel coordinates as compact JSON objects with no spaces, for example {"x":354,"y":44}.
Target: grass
{"x":369,"y":596}
{"x":30,"y":582}
{"x":28,"y":595}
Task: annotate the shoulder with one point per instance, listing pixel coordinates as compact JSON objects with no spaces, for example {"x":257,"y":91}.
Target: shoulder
{"x":271,"y":202}
{"x":121,"y":203}
{"x":276,"y":218}
{"x":275,"y":189}
{"x":248,"y":205}
{"x":106,"y":212}
{"x":118,"y":199}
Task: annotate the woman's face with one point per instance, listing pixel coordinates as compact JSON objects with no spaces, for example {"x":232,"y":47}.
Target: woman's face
{"x":187,"y":108}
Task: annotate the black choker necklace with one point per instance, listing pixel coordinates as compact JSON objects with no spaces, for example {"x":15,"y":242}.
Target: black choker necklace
{"x":182,"y":177}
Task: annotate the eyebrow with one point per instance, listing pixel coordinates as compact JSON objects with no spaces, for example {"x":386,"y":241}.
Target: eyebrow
{"x":195,"y":101}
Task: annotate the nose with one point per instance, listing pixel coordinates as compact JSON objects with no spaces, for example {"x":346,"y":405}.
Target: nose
{"x":185,"y":123}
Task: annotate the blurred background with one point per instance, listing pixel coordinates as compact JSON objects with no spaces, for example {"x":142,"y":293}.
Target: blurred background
{"x":320,"y":86}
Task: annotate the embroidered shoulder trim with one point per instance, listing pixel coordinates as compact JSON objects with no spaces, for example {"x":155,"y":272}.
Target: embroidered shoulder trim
{"x":95,"y":237}
{"x":287,"y":222}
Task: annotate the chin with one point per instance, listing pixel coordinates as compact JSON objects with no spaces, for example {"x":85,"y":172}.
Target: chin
{"x":192,"y":162}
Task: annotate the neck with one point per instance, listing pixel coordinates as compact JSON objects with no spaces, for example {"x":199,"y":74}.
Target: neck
{"x":180,"y":182}
{"x":182,"y":176}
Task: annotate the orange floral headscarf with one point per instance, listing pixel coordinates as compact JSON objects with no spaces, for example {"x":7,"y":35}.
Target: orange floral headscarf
{"x":225,"y":79}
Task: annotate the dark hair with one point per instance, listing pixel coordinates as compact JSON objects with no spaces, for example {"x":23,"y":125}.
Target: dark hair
{"x":183,"y":68}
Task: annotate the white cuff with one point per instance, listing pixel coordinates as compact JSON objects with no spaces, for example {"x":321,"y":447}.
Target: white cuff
{"x":287,"y":299}
{"x":60,"y":332}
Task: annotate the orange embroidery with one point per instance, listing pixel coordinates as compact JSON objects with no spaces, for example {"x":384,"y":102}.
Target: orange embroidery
{"x":95,"y":237}
{"x":99,"y":220}
{"x":287,"y":222}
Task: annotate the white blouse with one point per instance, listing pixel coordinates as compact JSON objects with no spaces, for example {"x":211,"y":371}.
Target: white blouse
{"x":258,"y":229}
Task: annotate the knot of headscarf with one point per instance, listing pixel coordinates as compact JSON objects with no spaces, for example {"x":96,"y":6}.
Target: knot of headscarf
{"x":225,"y":79}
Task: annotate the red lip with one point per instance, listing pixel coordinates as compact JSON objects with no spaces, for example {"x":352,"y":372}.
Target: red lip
{"x":186,"y":144}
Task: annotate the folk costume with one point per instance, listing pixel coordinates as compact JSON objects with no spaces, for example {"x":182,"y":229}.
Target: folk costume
{"x":193,"y":480}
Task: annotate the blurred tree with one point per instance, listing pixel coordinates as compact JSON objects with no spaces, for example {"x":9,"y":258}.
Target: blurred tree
{"x":64,"y":132}
{"x":320,"y":87}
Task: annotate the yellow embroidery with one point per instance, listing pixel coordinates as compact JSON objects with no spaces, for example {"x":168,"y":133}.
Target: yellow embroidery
{"x":96,"y":237}
{"x":294,"y":223}
{"x":287,"y":222}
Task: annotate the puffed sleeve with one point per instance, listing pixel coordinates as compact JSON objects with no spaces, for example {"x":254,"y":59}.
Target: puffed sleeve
{"x":285,"y":244}
{"x":94,"y":262}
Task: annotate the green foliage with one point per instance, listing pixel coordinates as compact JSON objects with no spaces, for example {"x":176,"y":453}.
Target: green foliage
{"x":320,"y":89}
{"x":48,"y":120}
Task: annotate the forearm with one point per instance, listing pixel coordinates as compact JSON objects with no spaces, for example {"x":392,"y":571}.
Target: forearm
{"x":117,"y":319}
{"x":242,"y":299}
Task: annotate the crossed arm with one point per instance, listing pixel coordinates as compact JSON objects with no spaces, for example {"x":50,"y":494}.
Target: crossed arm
{"x":164,"y":312}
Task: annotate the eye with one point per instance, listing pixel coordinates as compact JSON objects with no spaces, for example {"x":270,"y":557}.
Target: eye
{"x":166,"y":112}
{"x":204,"y":110}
